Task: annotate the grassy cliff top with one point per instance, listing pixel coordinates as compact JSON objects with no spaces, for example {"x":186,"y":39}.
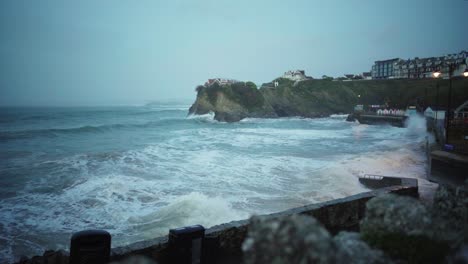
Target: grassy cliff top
{"x":397,"y":93}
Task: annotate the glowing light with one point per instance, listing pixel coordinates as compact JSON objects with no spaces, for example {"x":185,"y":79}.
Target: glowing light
{"x":465,"y":73}
{"x":437,"y":74}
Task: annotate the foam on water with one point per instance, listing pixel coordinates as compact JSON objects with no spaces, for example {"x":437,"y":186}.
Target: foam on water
{"x":206,"y":117}
{"x":191,"y":170}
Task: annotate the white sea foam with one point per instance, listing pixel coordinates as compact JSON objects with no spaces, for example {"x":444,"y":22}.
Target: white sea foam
{"x":339,"y":116}
{"x":209,"y":117}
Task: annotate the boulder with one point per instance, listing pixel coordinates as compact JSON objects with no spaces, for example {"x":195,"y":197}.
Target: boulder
{"x":450,"y":214}
{"x":402,"y":228}
{"x":293,"y":239}
{"x":352,"y":249}
{"x":391,"y":213}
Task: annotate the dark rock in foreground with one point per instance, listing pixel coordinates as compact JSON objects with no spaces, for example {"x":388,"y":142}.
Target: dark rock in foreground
{"x":353,"y":250}
{"x":395,"y":229}
{"x":302,"y":239}
{"x":406,"y":230}
{"x":295,"y":239}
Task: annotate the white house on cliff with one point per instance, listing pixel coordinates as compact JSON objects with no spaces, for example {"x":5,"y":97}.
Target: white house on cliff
{"x":297,"y":75}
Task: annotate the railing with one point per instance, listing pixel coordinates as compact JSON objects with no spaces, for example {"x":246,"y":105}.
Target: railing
{"x":372,"y":177}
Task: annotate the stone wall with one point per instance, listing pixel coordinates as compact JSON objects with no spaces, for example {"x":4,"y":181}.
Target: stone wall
{"x":335,"y":215}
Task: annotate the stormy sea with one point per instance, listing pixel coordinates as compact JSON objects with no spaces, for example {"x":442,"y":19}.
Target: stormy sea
{"x":139,"y":171}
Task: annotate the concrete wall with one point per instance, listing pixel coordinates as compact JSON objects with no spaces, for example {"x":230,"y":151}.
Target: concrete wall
{"x":448,"y":168}
{"x":335,"y":215}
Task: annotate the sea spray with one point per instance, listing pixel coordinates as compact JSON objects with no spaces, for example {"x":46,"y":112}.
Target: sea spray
{"x":416,"y":125}
{"x":187,"y":210}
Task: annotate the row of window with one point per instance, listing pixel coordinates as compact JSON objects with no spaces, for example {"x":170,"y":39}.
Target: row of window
{"x":386,"y":73}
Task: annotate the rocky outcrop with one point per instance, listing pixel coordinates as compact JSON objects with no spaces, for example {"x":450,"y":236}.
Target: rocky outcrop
{"x":302,"y":239}
{"x":231,"y":102}
{"x":405,"y":229}
{"x":293,"y":239}
{"x":283,"y":97}
{"x":395,"y":229}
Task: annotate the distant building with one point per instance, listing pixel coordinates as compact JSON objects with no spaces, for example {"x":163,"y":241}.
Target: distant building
{"x":384,"y":69}
{"x":367,"y":75}
{"x":220,"y":81}
{"x":297,"y":75}
{"x":419,"y":68}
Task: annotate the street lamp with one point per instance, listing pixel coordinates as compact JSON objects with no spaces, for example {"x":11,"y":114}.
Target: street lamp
{"x":451,"y":68}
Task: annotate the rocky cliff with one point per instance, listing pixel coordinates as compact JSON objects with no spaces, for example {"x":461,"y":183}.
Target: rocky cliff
{"x":317,"y":98}
{"x":231,"y":102}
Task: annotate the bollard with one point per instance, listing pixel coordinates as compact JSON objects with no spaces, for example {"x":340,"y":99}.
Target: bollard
{"x":90,"y":247}
{"x":210,"y":249}
{"x":186,"y":243}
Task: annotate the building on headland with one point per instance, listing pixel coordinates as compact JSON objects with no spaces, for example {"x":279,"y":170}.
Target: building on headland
{"x":297,"y":75}
{"x":351,"y":77}
{"x":220,"y":81}
{"x":384,"y":69}
{"x":419,"y":68}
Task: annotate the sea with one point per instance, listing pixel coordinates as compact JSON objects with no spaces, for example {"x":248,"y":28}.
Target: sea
{"x":137,"y":171}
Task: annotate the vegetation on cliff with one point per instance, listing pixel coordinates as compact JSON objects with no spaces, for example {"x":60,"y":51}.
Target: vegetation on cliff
{"x":231,"y":102}
{"x":317,"y":98}
{"x":243,"y":93}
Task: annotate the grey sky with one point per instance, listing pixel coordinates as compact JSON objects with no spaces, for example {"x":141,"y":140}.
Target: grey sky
{"x":131,"y":52}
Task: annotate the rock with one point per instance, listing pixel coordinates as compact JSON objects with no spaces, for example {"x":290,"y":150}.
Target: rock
{"x":293,"y":239}
{"x":350,"y":118}
{"x":450,"y":214}
{"x":395,"y":214}
{"x":231,"y":102}
{"x":352,"y":249}
{"x":229,"y":117}
{"x":402,"y":228}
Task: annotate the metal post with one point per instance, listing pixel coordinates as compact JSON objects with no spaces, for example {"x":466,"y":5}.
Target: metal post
{"x":437,"y":100}
{"x":449,"y":105}
{"x":425,"y":98}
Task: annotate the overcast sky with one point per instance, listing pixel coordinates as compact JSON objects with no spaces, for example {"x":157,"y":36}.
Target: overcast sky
{"x":131,"y":52}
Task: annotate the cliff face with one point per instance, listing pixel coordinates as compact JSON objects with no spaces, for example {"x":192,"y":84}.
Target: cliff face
{"x":231,"y":102}
{"x":317,"y":98}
